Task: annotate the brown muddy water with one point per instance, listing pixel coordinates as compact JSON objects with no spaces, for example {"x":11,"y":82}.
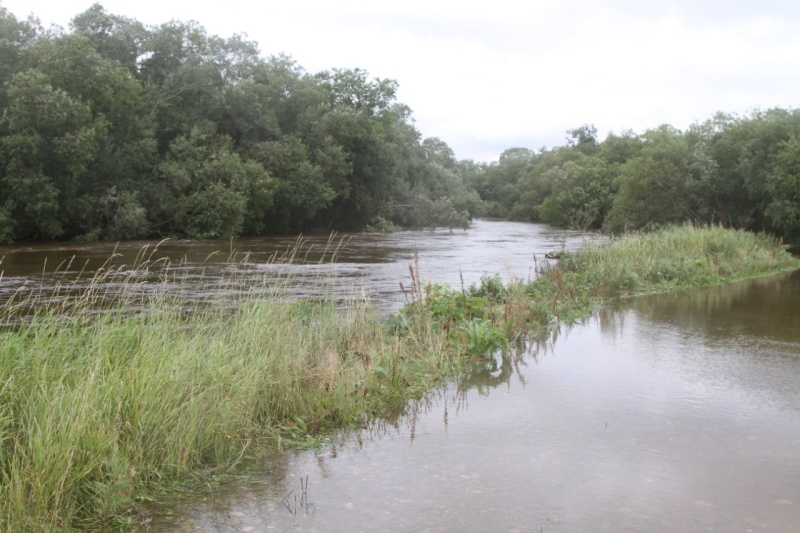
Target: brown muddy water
{"x":340,"y":266}
{"x":665,"y":413}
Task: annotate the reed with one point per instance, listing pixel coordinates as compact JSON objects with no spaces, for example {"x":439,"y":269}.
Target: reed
{"x":675,"y":258}
{"x":126,"y":386}
{"x":104,"y":397}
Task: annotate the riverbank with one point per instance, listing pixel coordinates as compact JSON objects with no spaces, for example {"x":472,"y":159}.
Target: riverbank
{"x":96,"y":410}
{"x":487,"y":316}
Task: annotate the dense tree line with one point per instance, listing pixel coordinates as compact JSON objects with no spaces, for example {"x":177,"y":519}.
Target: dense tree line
{"x":741,"y":172}
{"x":117,"y":130}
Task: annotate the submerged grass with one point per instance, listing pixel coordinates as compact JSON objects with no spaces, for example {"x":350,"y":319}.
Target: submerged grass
{"x":97,"y":409}
{"x":676,"y":258}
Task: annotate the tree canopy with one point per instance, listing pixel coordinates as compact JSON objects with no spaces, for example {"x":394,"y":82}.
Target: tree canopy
{"x":119,"y":130}
{"x":735,"y":171}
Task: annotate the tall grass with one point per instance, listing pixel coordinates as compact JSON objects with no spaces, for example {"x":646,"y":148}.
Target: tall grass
{"x":97,"y":408}
{"x":678,"y":257}
{"x":674,"y":258}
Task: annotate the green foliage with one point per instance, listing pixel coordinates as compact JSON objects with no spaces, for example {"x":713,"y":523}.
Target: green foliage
{"x":438,"y":195}
{"x":683,"y":256}
{"x":469,"y":317}
{"x":490,"y":287}
{"x":581,"y":193}
{"x":783,"y":186}
{"x":381,"y":225}
{"x":653,"y":185}
{"x":50,"y":140}
{"x":483,"y":337}
{"x":113,"y":37}
{"x":669,"y":259}
{"x":120,"y":130}
{"x":94,"y":123}
{"x":499,"y":184}
{"x":127,"y":219}
{"x":15,"y":35}
{"x":6,"y":226}
{"x":214,"y":193}
{"x":97,"y":409}
{"x":735,"y":171}
{"x":301,"y":191}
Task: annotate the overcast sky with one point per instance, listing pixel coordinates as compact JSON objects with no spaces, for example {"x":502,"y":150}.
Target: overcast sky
{"x":490,"y":75}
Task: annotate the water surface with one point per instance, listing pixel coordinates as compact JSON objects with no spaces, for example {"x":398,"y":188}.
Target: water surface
{"x":666,"y":413}
{"x":317,"y":265}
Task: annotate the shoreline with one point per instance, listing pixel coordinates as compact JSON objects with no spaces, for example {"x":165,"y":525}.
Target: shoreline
{"x":98,"y":413}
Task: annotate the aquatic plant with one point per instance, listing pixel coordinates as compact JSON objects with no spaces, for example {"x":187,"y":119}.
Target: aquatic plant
{"x":106,"y":397}
{"x":104,"y":400}
{"x":674,"y":258}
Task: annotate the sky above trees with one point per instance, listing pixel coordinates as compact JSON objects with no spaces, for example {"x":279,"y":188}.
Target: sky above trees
{"x":485,"y":77}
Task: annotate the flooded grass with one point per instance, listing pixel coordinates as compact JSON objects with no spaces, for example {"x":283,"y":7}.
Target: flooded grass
{"x":99,"y":409}
{"x":677,"y":258}
{"x":489,"y":314}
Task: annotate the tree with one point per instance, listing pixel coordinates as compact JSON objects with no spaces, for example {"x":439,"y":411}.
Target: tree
{"x":116,"y":38}
{"x":15,"y":36}
{"x":783,"y":185}
{"x":499,"y":187}
{"x":363,"y":120}
{"x":581,"y":194}
{"x":652,"y":185}
{"x":122,"y":151}
{"x":211,"y":192}
{"x":300,"y":190}
{"x":583,"y":138}
{"x":437,"y":151}
{"x":50,"y":138}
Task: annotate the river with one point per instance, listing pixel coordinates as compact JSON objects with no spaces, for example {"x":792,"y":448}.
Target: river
{"x":675,"y":412}
{"x":665,"y":413}
{"x":312,"y":266}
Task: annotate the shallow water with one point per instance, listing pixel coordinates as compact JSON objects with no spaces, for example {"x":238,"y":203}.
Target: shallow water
{"x":318,"y":265}
{"x":667,"y":413}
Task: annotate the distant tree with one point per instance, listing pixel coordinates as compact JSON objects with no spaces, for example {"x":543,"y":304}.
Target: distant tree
{"x":583,"y":138}
{"x":211,"y":192}
{"x":581,"y":194}
{"x":663,"y":184}
{"x":15,"y":36}
{"x":114,"y":37}
{"x":437,"y":151}
{"x":783,"y":186}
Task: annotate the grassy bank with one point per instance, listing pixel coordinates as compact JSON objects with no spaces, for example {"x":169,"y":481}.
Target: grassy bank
{"x":93,"y":414}
{"x":98,"y":408}
{"x":486,"y":316}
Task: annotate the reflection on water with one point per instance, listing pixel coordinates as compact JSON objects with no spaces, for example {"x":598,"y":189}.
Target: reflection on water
{"x":319,"y":265}
{"x":666,"y":413}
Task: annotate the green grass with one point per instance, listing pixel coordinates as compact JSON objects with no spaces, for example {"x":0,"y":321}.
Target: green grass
{"x":97,"y":410}
{"x":676,"y":258}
